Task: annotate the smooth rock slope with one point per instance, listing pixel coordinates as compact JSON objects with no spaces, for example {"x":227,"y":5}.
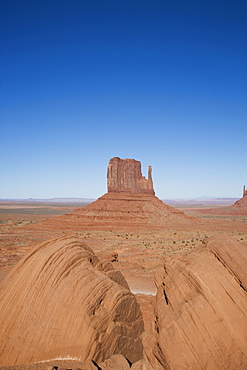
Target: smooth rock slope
{"x":201,"y":308}
{"x":61,"y":301}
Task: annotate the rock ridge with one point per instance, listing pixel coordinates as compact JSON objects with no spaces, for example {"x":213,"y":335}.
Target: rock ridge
{"x":60,"y":300}
{"x":201,"y":308}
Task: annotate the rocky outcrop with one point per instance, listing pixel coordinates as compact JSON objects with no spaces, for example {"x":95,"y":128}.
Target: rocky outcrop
{"x":61,"y":301}
{"x":201,"y":308}
{"x":124,"y":175}
{"x":132,"y":210}
{"x":239,"y":208}
{"x":130,"y":201}
{"x":241,"y":203}
{"x":244,"y":191}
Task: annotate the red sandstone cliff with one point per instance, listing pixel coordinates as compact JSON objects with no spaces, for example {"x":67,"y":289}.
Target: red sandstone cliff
{"x":124,"y":175}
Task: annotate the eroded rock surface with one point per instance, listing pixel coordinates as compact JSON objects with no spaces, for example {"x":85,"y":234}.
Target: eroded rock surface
{"x":123,"y":209}
{"x":130,"y":202}
{"x":201,"y":308}
{"x":124,"y":175}
{"x":61,"y":301}
{"x":242,"y":203}
{"x":239,"y":208}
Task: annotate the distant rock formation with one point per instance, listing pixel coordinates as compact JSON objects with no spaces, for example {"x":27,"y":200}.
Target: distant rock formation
{"x":244,"y":192}
{"x":61,"y":301}
{"x":239,"y":208}
{"x":124,"y":175}
{"x":241,"y":204}
{"x":130,"y":201}
{"x":201,"y":308}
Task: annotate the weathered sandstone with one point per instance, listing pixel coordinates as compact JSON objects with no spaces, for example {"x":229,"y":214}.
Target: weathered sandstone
{"x":240,"y":206}
{"x":242,"y":203}
{"x":124,"y":175}
{"x":60,"y":300}
{"x":130,"y":209}
{"x":201,"y":308}
{"x":130,"y":201}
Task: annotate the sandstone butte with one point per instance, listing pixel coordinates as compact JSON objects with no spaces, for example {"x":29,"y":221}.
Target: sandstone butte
{"x":241,"y":205}
{"x":130,"y":200}
{"x":61,"y":301}
{"x":201,"y":308}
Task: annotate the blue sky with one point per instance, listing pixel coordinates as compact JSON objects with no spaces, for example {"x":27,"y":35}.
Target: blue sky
{"x":163,"y":82}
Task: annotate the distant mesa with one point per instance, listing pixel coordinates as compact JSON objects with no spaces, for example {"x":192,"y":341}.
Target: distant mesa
{"x":130,"y":200}
{"x":62,"y":301}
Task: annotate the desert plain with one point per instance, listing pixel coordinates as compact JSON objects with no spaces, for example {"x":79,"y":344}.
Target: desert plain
{"x":140,"y":249}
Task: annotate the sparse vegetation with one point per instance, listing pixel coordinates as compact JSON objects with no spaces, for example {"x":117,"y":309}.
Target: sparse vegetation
{"x":131,"y":246}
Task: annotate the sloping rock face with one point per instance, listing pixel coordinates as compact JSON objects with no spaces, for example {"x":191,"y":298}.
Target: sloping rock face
{"x":132,"y":210}
{"x":242,"y":203}
{"x":130,"y":201}
{"x":61,"y":301}
{"x":124,"y":175}
{"x":201,"y":308}
{"x":239,"y":208}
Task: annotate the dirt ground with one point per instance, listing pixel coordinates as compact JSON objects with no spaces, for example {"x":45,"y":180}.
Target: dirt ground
{"x":140,"y":251}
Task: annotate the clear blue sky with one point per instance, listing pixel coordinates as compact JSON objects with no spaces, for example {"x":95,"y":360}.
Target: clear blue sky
{"x":163,"y":82}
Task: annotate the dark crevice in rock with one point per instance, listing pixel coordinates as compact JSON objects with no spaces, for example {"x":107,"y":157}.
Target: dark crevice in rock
{"x":129,"y":362}
{"x":165,"y":295}
{"x":241,"y":286}
{"x":95,"y":364}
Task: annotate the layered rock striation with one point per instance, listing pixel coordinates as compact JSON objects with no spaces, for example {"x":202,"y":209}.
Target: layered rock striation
{"x":130,"y":201}
{"x":201,"y":308}
{"x":61,"y":301}
{"x":125,"y":175}
{"x":132,"y":210}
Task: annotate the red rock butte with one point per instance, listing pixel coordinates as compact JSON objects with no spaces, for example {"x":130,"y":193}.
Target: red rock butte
{"x":243,"y":201}
{"x":124,"y":175}
{"x":130,"y":201}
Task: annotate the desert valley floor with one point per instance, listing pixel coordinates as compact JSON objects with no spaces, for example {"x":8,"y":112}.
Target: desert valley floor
{"x":140,"y":249}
